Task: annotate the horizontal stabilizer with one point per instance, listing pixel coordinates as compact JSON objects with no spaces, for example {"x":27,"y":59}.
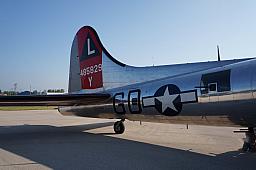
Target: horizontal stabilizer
{"x":54,"y":100}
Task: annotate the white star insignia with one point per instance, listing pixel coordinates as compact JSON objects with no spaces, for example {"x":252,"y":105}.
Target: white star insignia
{"x":167,"y":100}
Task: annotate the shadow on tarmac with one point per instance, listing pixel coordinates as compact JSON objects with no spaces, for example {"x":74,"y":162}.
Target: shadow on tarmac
{"x":71,"y":148}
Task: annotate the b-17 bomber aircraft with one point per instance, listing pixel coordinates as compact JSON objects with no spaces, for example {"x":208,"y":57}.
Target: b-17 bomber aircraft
{"x":219,"y":93}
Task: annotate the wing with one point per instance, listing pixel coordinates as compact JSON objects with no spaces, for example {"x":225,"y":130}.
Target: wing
{"x":54,"y":100}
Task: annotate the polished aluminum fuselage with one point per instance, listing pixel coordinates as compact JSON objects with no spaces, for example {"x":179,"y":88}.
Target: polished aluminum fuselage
{"x":233,"y":106}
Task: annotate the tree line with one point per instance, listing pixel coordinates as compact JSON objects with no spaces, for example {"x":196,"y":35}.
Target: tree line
{"x":56,"y":91}
{"x":35,"y":92}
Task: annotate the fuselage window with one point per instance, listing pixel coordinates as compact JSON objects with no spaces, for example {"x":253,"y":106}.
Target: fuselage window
{"x":212,"y":87}
{"x":215,"y":82}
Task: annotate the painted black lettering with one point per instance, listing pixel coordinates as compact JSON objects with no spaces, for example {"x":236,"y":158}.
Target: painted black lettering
{"x":118,"y":103}
{"x":134,"y":101}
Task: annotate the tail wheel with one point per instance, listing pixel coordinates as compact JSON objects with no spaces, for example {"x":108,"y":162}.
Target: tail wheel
{"x":119,"y":127}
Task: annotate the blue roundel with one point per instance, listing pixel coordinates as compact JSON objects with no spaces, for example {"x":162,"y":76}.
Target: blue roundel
{"x":168,"y":100}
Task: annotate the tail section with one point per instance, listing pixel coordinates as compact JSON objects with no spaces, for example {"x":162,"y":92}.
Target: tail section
{"x":86,"y":61}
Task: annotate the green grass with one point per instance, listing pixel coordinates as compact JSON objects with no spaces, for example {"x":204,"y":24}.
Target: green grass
{"x":14,"y":108}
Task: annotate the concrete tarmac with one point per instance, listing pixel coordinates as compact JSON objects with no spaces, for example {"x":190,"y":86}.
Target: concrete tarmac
{"x":48,"y":140}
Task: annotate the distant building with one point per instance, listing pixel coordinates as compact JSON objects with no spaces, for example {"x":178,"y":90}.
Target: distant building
{"x":24,"y":93}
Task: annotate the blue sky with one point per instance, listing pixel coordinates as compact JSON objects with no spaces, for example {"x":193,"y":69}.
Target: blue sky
{"x":36,"y":36}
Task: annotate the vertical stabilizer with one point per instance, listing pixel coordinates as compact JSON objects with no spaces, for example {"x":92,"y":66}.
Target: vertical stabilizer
{"x":86,"y":67}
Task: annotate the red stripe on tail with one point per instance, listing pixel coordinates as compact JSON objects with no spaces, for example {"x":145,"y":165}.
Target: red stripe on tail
{"x":90,"y":59}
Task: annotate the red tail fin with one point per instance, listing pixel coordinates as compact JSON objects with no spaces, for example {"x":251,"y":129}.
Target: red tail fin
{"x":90,"y":58}
{"x":87,"y":59}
